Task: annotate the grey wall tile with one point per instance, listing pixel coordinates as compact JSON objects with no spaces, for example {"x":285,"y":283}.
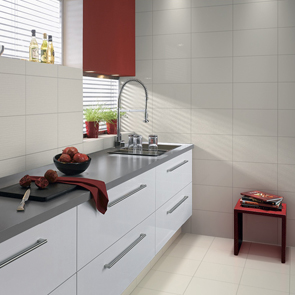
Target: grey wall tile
{"x":286,"y":68}
{"x":41,"y":70}
{"x":286,"y":10}
{"x":144,"y":24}
{"x":12,"y":166}
{"x":286,"y":176}
{"x":286,"y":42}
{"x":200,"y":3}
{"x":69,"y":73}
{"x":286,"y":150}
{"x":40,"y":159}
{"x":12,"y":66}
{"x":286,"y":96}
{"x":144,"y":47}
{"x":143,"y":5}
{"x":168,"y":4}
{"x":286,"y":122}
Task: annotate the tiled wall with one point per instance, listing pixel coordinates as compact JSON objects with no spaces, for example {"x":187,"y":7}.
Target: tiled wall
{"x":221,"y":75}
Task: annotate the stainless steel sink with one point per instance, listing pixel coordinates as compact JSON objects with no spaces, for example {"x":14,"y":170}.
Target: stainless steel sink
{"x":162,"y":148}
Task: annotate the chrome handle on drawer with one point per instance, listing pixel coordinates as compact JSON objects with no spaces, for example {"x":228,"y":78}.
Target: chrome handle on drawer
{"x":177,"y":205}
{"x":124,"y":252}
{"x":142,"y":186}
{"x":39,"y":243}
{"x":177,"y":166}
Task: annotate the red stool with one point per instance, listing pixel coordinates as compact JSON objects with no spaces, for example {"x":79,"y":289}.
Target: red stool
{"x":238,"y":225}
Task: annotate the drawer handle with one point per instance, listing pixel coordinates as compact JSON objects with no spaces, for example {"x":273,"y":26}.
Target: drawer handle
{"x":177,"y":166}
{"x":177,"y":205}
{"x":39,"y":243}
{"x":142,"y":186}
{"x":124,"y":252}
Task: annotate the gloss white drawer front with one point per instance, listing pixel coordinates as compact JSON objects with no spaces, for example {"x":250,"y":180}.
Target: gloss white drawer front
{"x":172,"y":176}
{"x":41,"y":258}
{"x":129,"y":204}
{"x":172,"y":215}
{"x":112,"y":271}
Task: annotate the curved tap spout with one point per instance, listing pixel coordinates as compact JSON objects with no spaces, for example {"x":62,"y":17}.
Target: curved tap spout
{"x":119,"y":108}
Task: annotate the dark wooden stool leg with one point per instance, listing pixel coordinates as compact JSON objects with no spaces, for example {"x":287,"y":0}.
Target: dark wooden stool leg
{"x":284,"y":224}
{"x":238,"y":231}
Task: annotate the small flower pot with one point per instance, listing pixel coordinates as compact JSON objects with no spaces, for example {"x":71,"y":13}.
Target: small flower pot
{"x":92,"y":129}
{"x":112,"y":127}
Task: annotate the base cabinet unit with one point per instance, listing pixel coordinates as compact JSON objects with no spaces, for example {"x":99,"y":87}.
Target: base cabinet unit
{"x":129,"y":204}
{"x":112,"y":271}
{"x":172,"y":215}
{"x":67,"y":288}
{"x":38,"y":260}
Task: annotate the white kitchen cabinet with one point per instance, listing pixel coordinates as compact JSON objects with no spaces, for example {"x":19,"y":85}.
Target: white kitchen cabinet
{"x":41,"y":270}
{"x":67,"y":288}
{"x":172,"y":176}
{"x":172,"y":215}
{"x":129,"y":204}
{"x":112,"y":271}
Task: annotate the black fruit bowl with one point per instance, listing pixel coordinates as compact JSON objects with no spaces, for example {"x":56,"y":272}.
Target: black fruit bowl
{"x":71,"y":168}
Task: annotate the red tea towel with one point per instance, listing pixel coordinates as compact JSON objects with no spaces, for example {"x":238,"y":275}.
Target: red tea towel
{"x":97,"y":189}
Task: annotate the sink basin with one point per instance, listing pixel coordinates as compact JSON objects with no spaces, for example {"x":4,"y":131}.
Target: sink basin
{"x":162,"y":148}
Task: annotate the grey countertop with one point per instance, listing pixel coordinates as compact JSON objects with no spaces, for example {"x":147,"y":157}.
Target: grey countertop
{"x":110,"y":168}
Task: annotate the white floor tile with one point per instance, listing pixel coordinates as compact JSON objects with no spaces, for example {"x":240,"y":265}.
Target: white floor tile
{"x":186,"y":252}
{"x":194,"y":240}
{"x":292,"y":284}
{"x":210,"y":287}
{"x":177,"y":265}
{"x":166,"y":282}
{"x":142,"y":291}
{"x":219,"y":272}
{"x":246,"y":290}
{"x":265,"y":280}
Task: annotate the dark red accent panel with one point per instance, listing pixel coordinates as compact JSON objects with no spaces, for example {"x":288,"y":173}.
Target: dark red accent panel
{"x":109,"y":37}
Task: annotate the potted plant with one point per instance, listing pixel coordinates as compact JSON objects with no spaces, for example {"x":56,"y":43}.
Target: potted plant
{"x":93,"y":116}
{"x":110,"y":117}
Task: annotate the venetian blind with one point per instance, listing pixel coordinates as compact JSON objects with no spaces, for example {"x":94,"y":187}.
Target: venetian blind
{"x":19,"y":17}
{"x":97,"y":91}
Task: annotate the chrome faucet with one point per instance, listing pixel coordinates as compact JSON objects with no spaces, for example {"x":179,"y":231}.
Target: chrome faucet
{"x":118,"y":142}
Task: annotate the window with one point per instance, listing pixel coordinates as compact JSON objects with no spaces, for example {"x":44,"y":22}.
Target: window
{"x":97,"y":91}
{"x":19,"y":17}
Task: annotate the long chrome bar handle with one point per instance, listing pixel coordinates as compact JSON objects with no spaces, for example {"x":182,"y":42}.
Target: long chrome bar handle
{"x":142,"y":186}
{"x":177,"y":166}
{"x":177,"y":205}
{"x":27,"y":250}
{"x":124,"y":252}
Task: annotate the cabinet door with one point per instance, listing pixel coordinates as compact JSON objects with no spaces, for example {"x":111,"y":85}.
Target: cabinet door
{"x":129,"y":204}
{"x":67,"y":288}
{"x":172,"y":176}
{"x":50,"y":262}
{"x":112,"y":271}
{"x":172,"y":215}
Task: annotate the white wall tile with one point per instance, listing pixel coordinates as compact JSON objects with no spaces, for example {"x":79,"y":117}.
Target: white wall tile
{"x":12,"y":136}
{"x":171,"y":96}
{"x":41,"y":95}
{"x":289,"y":199}
{"x":255,"y":149}
{"x":212,"y":147}
{"x":212,"y":198}
{"x":216,"y":173}
{"x":286,"y":150}
{"x":170,"y":4}
{"x":41,"y":70}
{"x":174,"y":137}
{"x":70,"y":95}
{"x":210,"y":19}
{"x":41,"y":133}
{"x":12,"y":66}
{"x":286,"y":68}
{"x":212,"y":70}
{"x":40,"y":159}
{"x":200,"y":3}
{"x":172,"y":46}
{"x":260,"y":15}
{"x":260,"y":175}
{"x":212,"y":121}
{"x":249,"y":1}
{"x":69,"y":73}
{"x":286,"y":10}
{"x":286,"y":96}
{"x":12,"y":94}
{"x":108,"y":141}
{"x":12,"y":166}
{"x":286,"y":42}
{"x":255,"y":96}
{"x":255,"y":122}
{"x":144,"y":71}
{"x":144,"y":47}
{"x":290,"y":235}
{"x":72,"y":122}
{"x":212,"y":96}
{"x":255,"y":42}
{"x":286,"y":122}
{"x":255,"y":69}
{"x":92,"y":145}
{"x":175,"y":21}
{"x":286,"y":176}
{"x":212,"y":44}
{"x":213,"y":223}
{"x":143,"y":5}
{"x":144,"y":24}
{"x":171,"y":71}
